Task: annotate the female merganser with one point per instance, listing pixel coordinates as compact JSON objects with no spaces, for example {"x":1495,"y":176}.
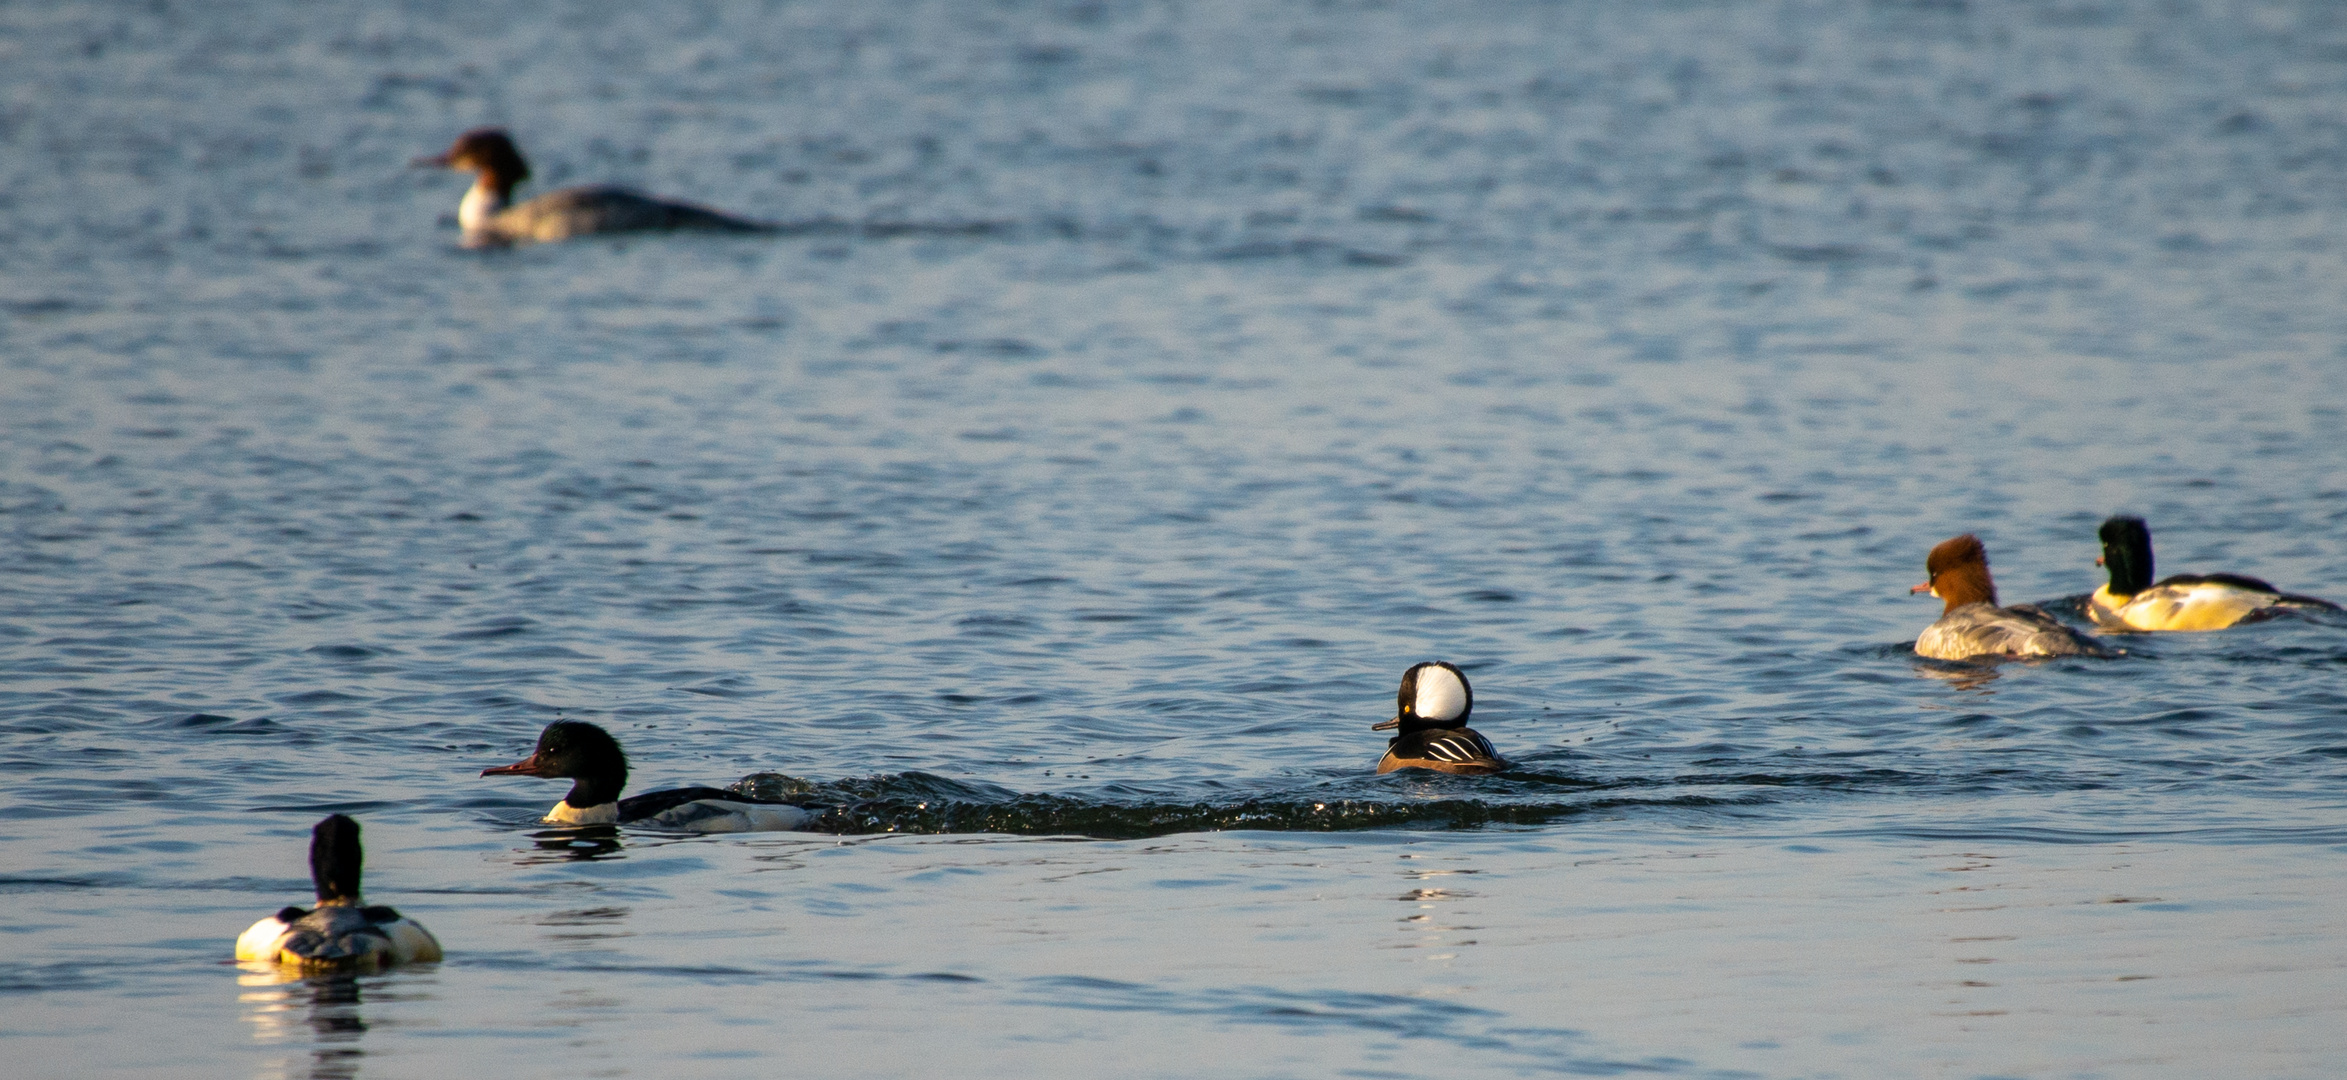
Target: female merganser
{"x":1432,"y":713}
{"x":1973,"y":625}
{"x":342,"y":933}
{"x":489,"y":220}
{"x":2182,"y":602}
{"x":589,"y":756}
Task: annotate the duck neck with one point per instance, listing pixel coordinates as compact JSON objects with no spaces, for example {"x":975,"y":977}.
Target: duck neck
{"x":488,"y":197}
{"x":586,"y":791}
{"x":1966,"y":584}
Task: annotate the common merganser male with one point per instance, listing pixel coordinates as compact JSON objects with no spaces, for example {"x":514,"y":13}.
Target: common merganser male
{"x":589,"y":756}
{"x":490,"y":219}
{"x":1973,"y":625}
{"x":1431,"y":711}
{"x":342,"y":933}
{"x":2182,"y":602}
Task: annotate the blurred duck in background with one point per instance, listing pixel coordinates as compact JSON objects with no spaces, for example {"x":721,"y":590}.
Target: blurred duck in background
{"x":2132,"y":601}
{"x":490,"y":218}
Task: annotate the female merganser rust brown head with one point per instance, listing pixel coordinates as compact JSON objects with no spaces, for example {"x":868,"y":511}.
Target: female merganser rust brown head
{"x":490,"y":218}
{"x":1958,"y":569}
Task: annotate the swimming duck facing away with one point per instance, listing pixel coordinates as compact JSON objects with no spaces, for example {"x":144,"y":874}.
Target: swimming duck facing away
{"x":1973,"y":625}
{"x":1431,"y":712}
{"x":342,"y":933}
{"x":591,"y":758}
{"x":2131,"y":601}
{"x":490,"y":218}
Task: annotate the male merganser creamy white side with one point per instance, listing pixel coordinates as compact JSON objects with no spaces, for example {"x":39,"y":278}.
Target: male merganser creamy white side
{"x":342,"y":933}
{"x":2131,"y":601}
{"x":589,"y":756}
{"x":1973,"y":625}
{"x":490,"y":218}
{"x":1431,"y":711}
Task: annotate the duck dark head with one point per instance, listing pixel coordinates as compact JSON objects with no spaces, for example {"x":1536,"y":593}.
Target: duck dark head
{"x":1434,"y":694}
{"x":486,"y":151}
{"x":575,"y":750}
{"x":1958,"y":569}
{"x":2127,"y":554}
{"x":335,"y":859}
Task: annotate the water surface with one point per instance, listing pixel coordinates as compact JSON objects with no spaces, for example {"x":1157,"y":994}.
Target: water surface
{"x":1137,"y":391}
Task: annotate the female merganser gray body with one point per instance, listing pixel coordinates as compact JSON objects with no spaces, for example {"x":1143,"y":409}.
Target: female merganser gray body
{"x":1431,"y":712}
{"x":490,"y":218}
{"x":2131,"y":601}
{"x":591,"y":758}
{"x":342,"y":933}
{"x":1973,"y":625}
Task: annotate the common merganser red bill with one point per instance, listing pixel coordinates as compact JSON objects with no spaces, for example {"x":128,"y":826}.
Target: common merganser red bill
{"x":490,"y":218}
{"x":343,"y":933}
{"x":1431,"y":711}
{"x":591,"y":758}
{"x":2131,"y":601}
{"x":1973,"y":625}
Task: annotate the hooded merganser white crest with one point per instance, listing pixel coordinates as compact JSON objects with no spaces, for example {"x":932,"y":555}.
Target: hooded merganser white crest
{"x":590,"y":757}
{"x":489,"y":217}
{"x":342,"y":933}
{"x":1432,"y":712}
{"x":1973,"y":625}
{"x":2182,"y":602}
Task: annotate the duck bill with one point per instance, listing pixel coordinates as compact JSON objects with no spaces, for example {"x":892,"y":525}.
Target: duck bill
{"x":525,"y":767}
{"x":1925,"y":587}
{"x":1393,"y":723}
{"x":429,"y":161}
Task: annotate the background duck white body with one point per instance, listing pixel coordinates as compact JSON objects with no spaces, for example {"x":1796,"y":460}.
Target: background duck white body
{"x":2131,"y":601}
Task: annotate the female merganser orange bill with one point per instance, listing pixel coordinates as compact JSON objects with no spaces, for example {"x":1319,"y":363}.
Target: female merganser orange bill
{"x":1973,"y":625}
{"x":2182,"y":602}
{"x":489,"y":218}
{"x":342,"y":933}
{"x":591,"y":758}
{"x":1432,"y":712}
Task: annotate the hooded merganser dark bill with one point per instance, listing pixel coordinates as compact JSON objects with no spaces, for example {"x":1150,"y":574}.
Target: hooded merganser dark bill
{"x":1973,"y":625}
{"x":490,"y":218}
{"x":342,"y":933}
{"x":589,"y":756}
{"x":1431,"y":712}
{"x":2183,"y":602}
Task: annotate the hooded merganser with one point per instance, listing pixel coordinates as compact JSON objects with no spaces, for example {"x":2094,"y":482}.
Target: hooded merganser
{"x":1432,"y":712}
{"x":2182,"y":602}
{"x":1973,"y":625}
{"x":489,"y":219}
{"x":342,"y":933}
{"x":590,"y":757}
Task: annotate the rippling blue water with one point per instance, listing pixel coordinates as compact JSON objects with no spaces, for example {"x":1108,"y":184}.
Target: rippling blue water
{"x":1137,"y":391}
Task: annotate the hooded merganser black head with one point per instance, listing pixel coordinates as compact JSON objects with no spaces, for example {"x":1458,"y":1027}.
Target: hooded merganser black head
{"x":1434,"y":694}
{"x":2127,"y":554}
{"x":1958,"y":569}
{"x":575,"y":750}
{"x":335,"y":859}
{"x":486,"y":151}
